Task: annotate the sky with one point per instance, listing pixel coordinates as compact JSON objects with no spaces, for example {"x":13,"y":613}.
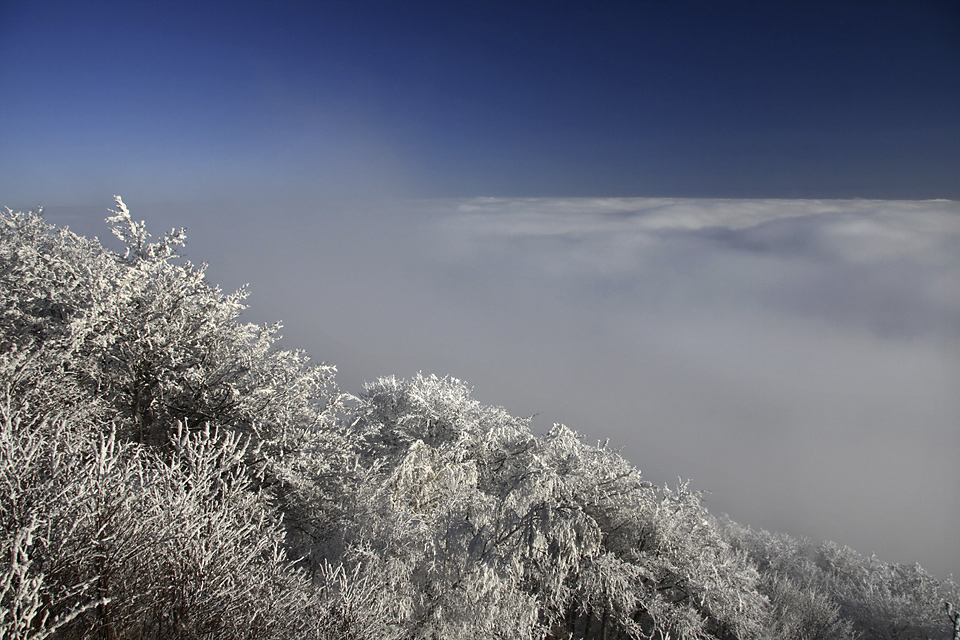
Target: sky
{"x":724,"y":235}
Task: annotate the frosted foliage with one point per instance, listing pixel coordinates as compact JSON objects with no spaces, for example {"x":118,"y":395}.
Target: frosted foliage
{"x":151,"y":337}
{"x":475,"y":501}
{"x":895,"y":602}
{"x":110,"y":539}
{"x":134,"y":235}
{"x":424,"y":517}
{"x":828,"y":591}
{"x":132,"y":505}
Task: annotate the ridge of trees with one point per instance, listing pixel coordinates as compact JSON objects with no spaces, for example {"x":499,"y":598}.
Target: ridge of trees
{"x":167,"y":471}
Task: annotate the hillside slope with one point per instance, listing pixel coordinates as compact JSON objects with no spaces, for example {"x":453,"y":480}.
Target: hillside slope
{"x":166,"y":471}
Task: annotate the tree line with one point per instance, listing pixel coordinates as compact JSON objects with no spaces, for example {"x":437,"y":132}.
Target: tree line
{"x":168,"y":471}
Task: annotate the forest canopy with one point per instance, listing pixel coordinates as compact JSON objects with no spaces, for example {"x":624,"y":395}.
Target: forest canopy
{"x":169,"y":471}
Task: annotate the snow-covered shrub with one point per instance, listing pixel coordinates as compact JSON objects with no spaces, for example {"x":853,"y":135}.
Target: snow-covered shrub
{"x":107,"y":537}
{"x":827,"y":591}
{"x":143,"y":439}
{"x":471,"y":512}
{"x":884,"y":600}
{"x":146,"y":334}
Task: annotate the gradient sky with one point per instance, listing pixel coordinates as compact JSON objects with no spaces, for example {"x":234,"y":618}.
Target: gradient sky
{"x":725,"y":235}
{"x":763,"y":99}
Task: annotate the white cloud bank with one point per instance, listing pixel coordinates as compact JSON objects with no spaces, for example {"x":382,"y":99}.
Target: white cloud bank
{"x":893,"y":264}
{"x":860,"y":231}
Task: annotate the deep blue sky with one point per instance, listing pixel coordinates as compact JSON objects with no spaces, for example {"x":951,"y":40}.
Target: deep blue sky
{"x":765,"y":99}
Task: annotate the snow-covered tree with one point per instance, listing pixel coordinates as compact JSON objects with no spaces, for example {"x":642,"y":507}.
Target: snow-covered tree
{"x":465,"y":491}
{"x":883,"y":600}
{"x":830,"y":591}
{"x":147,"y":334}
{"x":113,"y":539}
{"x":146,"y":437}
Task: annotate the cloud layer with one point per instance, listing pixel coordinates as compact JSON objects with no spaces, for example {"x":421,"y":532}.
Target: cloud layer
{"x":888,"y":266}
